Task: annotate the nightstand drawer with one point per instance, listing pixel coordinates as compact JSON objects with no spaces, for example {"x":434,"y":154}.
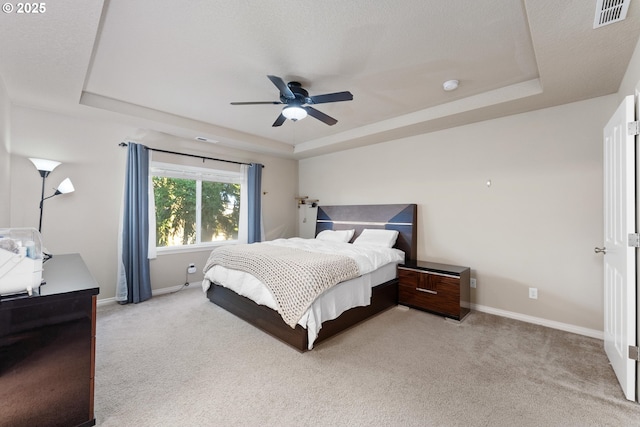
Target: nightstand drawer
{"x":442,"y":297}
{"x":437,"y":288}
{"x":425,"y":280}
{"x":408,"y":277}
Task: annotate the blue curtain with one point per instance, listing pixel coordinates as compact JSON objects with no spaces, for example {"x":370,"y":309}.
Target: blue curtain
{"x":135,"y":229}
{"x":254,"y":202}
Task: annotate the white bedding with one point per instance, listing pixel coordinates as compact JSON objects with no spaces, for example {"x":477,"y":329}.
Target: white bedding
{"x":377,"y":265}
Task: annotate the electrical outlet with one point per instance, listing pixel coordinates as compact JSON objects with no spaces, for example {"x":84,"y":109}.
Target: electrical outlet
{"x":473,"y":283}
{"x":191,"y":269}
{"x":533,"y":293}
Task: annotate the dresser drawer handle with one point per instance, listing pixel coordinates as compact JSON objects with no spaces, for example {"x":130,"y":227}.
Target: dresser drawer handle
{"x":427,"y":291}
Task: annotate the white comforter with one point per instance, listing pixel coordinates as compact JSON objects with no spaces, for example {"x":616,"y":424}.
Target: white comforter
{"x":368,"y":257}
{"x":330,"y":304}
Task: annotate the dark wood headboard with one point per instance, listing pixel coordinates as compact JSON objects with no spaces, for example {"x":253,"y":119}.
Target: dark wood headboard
{"x":402,"y":218}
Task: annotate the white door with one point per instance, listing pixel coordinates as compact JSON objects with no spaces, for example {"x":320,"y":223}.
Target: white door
{"x":619,"y":257}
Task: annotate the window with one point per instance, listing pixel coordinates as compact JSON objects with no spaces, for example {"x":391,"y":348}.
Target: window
{"x":195,"y":206}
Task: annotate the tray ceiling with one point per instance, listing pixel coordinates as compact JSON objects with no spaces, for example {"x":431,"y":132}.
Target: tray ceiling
{"x":174,"y":67}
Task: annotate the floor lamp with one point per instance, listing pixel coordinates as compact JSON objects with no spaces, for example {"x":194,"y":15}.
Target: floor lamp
{"x":45,"y":167}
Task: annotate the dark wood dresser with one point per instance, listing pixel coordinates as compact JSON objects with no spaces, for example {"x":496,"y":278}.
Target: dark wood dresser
{"x":439,"y":288}
{"x":47,"y":349}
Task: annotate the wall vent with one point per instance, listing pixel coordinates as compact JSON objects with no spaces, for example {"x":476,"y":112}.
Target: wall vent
{"x":610,"y":11}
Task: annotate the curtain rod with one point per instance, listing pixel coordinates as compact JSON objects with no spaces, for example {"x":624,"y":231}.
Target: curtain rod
{"x":124,"y":144}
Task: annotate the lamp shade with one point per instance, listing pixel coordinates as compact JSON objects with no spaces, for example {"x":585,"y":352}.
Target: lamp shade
{"x":65,"y":187}
{"x":44,"y":165}
{"x":294,"y":113}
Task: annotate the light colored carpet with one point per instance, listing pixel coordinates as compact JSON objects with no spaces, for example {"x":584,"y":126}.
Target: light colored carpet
{"x":179,"y":360}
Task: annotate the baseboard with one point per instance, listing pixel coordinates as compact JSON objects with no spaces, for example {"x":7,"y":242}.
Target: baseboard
{"x":154,"y":292}
{"x":593,"y":333}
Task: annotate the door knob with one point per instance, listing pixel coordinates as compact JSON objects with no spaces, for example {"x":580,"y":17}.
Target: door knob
{"x":600,"y":250}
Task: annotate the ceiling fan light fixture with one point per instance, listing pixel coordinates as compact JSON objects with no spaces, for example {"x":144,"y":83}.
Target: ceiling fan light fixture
{"x":294,"y":113}
{"x":294,"y":97}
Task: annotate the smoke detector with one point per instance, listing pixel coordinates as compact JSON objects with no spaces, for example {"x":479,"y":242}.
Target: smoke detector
{"x":610,"y":11}
{"x":205,"y":139}
{"x":450,"y":85}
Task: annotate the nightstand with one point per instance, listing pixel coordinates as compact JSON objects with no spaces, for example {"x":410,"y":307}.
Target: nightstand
{"x":438,"y":288}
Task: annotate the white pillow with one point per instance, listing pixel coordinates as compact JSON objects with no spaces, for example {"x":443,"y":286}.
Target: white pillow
{"x":336,"y":235}
{"x":377,"y":237}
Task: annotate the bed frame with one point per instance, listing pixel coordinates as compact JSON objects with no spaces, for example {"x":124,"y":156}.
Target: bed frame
{"x":402,"y":218}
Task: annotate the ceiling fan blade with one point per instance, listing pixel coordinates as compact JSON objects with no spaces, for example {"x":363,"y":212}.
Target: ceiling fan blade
{"x":320,"y":116}
{"x":282,"y":87}
{"x":279,"y":121}
{"x":256,"y":103}
{"x":331,"y":97}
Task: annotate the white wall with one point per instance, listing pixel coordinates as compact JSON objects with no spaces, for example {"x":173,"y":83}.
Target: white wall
{"x":535,"y":226}
{"x":631,"y":81}
{"x":86,"y":221}
{"x":5,"y":163}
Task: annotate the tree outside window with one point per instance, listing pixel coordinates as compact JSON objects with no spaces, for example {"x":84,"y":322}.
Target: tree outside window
{"x":194,"y":211}
{"x":220,"y":211}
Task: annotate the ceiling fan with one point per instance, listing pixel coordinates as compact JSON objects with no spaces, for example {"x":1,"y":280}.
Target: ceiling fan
{"x":296,"y":98}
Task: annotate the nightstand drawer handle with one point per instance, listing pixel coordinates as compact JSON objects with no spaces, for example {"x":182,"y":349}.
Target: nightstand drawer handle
{"x":434,"y":273}
{"x":427,"y":291}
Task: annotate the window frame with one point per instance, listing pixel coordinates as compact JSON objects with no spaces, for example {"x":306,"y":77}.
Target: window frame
{"x":199,"y":174}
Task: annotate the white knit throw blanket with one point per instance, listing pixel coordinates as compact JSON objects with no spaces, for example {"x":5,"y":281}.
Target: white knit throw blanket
{"x":295,"y":277}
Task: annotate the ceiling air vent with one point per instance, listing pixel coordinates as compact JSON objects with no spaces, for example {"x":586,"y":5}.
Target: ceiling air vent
{"x":610,"y":11}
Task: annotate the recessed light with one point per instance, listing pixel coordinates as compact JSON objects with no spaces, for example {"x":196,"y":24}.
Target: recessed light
{"x":450,"y":85}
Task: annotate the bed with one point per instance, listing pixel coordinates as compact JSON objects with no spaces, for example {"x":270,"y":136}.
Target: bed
{"x":224,"y":290}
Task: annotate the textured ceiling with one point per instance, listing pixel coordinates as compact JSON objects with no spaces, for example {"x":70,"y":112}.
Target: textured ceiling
{"x":174,"y":67}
